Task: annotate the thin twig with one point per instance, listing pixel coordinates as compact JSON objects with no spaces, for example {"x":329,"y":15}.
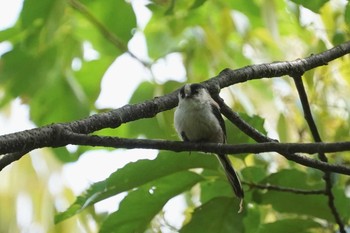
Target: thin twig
{"x":284,"y":189}
{"x":240,"y":123}
{"x":314,"y":131}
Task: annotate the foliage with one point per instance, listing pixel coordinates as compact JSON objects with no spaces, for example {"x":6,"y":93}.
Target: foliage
{"x":48,"y":68}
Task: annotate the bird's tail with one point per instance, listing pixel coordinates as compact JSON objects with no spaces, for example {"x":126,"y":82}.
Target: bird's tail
{"x":233,"y":178}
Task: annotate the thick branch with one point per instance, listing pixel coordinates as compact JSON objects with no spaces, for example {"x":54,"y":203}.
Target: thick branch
{"x":49,"y":136}
{"x":282,"y":148}
{"x":230,"y":77}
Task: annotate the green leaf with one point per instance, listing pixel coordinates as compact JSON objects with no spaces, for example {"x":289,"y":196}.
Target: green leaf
{"x":285,"y":202}
{"x":254,"y":173}
{"x":43,"y":80}
{"x":71,"y":107}
{"x":290,"y":226}
{"x":253,"y":219}
{"x":65,"y":156}
{"x":42,"y":20}
{"x":215,"y":185}
{"x":144,"y":91}
{"x":34,"y":11}
{"x":140,"y":206}
{"x":293,"y":178}
{"x":347,"y":13}
{"x":219,"y":215}
{"x":197,"y":3}
{"x":117,"y":17}
{"x":282,"y":128}
{"x":250,"y":9}
{"x":149,"y":127}
{"x":9,"y":33}
{"x":342,"y":203}
{"x":314,"y":5}
{"x":160,"y":38}
{"x":130,"y":177}
{"x":90,"y":75}
{"x":235,"y":135}
{"x":82,"y":202}
{"x":24,"y":79}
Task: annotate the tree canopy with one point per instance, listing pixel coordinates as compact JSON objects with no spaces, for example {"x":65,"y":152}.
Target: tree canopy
{"x":284,"y":75}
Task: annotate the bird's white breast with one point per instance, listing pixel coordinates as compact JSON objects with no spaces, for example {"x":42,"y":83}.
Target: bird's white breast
{"x":197,"y":121}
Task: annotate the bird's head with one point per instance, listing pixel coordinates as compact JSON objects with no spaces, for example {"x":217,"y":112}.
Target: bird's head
{"x":194,"y":92}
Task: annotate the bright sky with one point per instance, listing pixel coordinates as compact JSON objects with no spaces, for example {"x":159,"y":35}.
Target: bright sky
{"x":97,"y":165}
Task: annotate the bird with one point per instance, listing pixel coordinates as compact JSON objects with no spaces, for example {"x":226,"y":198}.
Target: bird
{"x":198,"y":119}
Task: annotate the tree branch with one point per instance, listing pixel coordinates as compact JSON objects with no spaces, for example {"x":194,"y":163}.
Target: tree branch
{"x":7,"y":159}
{"x":50,"y":136}
{"x":68,"y":137}
{"x":284,"y":189}
{"x":315,"y":134}
{"x":229,"y":77}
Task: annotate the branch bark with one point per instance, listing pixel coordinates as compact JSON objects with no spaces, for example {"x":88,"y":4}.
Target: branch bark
{"x":282,"y":148}
{"x":51,"y":135}
{"x":321,"y":155}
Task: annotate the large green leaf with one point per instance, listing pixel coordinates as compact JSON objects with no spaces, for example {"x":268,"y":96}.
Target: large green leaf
{"x":254,"y":173}
{"x":140,"y":206}
{"x":43,"y":77}
{"x":9,"y":33}
{"x":235,"y":135}
{"x":294,"y":179}
{"x":136,"y":174}
{"x":89,"y":77}
{"x":160,"y":40}
{"x":41,"y":20}
{"x":149,"y":127}
{"x":34,"y":12}
{"x":290,"y":226}
{"x":116,"y":17}
{"x":285,"y":202}
{"x":215,"y":185}
{"x":347,"y":14}
{"x":282,"y":128}
{"x":309,"y":205}
{"x":219,"y":215}
{"x":45,"y":110}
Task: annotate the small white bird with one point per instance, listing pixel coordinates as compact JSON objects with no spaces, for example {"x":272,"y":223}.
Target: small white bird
{"x":198,"y":119}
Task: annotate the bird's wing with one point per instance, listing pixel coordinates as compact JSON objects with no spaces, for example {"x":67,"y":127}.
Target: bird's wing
{"x":216,"y":111}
